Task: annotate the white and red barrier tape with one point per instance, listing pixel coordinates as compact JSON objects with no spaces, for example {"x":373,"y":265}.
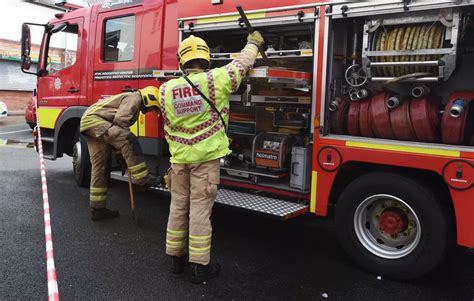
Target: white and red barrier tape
{"x":53,"y":292}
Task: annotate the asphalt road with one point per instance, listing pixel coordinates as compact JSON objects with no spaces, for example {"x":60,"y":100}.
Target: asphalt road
{"x":261,"y":258}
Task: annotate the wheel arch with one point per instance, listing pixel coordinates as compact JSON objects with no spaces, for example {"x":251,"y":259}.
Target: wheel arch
{"x":67,"y":125}
{"x":352,"y":170}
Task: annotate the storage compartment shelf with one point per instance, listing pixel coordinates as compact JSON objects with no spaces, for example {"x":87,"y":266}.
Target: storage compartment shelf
{"x":247,"y":172}
{"x":277,"y":54}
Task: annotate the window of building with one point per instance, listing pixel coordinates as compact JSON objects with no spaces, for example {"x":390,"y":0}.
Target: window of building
{"x":119,"y":38}
{"x":62,"y":49}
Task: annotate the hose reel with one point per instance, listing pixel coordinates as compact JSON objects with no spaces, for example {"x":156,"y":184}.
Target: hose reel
{"x":423,"y":50}
{"x":407,"y":37}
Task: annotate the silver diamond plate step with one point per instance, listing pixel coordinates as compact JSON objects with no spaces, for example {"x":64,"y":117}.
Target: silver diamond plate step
{"x":255,"y":203}
{"x":261,"y":204}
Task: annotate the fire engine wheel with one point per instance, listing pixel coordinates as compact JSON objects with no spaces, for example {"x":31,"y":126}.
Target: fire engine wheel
{"x":393,"y":225}
{"x":81,"y":161}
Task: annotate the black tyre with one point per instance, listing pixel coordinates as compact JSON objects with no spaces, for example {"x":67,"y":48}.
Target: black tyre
{"x":81,"y":163}
{"x":394,"y":226}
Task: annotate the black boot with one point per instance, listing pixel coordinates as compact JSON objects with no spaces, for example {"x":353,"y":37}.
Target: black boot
{"x":98,"y":214}
{"x":201,"y":273}
{"x":150,"y":181}
{"x":178,"y":264}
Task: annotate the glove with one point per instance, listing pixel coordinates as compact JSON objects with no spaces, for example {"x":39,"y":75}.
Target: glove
{"x":255,"y":38}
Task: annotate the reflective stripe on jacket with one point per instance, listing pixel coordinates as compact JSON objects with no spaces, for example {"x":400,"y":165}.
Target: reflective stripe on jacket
{"x":194,"y":131}
{"x":121,"y":110}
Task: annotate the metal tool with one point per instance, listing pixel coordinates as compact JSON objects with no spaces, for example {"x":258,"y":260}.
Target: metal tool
{"x":251,"y":30}
{"x":132,"y":198}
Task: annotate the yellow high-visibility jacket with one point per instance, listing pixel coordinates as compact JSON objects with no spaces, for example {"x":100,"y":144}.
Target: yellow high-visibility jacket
{"x":193,"y":129}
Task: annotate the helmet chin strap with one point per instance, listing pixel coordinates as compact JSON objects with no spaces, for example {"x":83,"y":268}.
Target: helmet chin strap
{"x":143,"y":109}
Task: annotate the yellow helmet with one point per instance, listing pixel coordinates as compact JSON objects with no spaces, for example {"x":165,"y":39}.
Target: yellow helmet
{"x":193,"y":48}
{"x":150,"y":97}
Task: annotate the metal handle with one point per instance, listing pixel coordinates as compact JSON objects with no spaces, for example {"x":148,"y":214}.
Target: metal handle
{"x":73,"y":90}
{"x":173,"y":73}
{"x":281,"y":53}
{"x":129,"y":89}
{"x":293,"y":165}
{"x":217,"y":56}
{"x":413,"y":63}
{"x":250,"y":30}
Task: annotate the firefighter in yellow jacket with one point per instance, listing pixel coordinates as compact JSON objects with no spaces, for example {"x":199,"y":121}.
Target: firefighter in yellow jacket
{"x":106,"y":126}
{"x":195,"y":108}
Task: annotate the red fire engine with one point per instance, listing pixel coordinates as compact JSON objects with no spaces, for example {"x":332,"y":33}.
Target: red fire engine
{"x":364,"y":107}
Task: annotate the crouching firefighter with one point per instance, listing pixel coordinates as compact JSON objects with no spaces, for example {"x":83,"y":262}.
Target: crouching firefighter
{"x":106,"y":126}
{"x":195,"y":108}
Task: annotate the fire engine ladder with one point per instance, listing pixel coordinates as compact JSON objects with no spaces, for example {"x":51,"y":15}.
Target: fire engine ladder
{"x":253,"y":203}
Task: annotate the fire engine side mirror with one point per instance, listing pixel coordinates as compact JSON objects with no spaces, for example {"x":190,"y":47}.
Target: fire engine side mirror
{"x":25,"y":47}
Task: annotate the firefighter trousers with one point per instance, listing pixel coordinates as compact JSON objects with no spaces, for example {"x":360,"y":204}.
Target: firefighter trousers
{"x":193,"y":192}
{"x":100,"y":149}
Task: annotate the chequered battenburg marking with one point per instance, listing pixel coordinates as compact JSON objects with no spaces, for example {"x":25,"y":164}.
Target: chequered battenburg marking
{"x":214,"y":118}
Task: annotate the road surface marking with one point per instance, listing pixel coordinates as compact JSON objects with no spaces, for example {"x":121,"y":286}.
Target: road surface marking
{"x":15,"y":144}
{"x":20,"y":131}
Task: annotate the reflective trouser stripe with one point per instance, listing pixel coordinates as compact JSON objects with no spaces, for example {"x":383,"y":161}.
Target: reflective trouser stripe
{"x":98,"y":189}
{"x":199,"y":251}
{"x":140,"y":175}
{"x":139,"y":171}
{"x":177,"y":233}
{"x":137,"y":167}
{"x":98,"y":194}
{"x":176,"y":240}
{"x":199,"y":239}
{"x":98,"y":198}
{"x":175,"y":244}
{"x":199,"y":245}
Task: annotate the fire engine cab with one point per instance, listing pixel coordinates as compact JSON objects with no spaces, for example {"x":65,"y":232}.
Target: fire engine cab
{"x":363,"y":111}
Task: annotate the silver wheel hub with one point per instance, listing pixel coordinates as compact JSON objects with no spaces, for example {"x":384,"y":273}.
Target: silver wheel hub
{"x":387,"y":226}
{"x":76,"y":157}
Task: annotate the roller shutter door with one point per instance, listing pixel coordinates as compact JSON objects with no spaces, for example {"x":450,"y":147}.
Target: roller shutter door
{"x":11,"y":77}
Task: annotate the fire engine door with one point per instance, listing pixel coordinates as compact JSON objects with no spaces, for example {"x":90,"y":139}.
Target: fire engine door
{"x":61,"y":84}
{"x":117,"y":52}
